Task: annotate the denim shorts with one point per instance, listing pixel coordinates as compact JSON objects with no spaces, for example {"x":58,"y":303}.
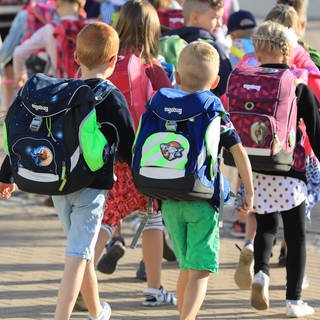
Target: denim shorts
{"x":194,"y":232}
{"x":80,"y":213}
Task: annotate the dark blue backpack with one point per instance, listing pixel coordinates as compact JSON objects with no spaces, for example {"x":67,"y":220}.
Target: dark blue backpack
{"x":52,"y":136}
{"x":175,"y":155}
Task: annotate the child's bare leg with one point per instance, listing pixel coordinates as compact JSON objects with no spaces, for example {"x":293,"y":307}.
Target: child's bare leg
{"x":69,"y":287}
{"x":89,"y":289}
{"x":194,"y":293}
{"x":181,"y":285}
{"x":152,"y":248}
{"x":251,"y":226}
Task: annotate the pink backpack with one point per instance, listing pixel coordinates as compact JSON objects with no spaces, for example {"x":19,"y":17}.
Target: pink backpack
{"x":263,"y":108}
{"x":171,"y":18}
{"x":130,"y":78}
{"x":39,"y":14}
{"x":66,"y":34}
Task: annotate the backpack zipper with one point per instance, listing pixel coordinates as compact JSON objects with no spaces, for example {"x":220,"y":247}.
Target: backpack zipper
{"x":63,"y":176}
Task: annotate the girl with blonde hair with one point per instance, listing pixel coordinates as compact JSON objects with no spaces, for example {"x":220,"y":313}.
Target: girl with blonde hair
{"x":273,"y":47}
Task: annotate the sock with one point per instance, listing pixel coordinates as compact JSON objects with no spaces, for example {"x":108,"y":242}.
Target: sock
{"x":248,"y":243}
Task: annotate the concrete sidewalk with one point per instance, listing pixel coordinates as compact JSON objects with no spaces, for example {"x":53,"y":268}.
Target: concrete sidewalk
{"x":31,"y":265}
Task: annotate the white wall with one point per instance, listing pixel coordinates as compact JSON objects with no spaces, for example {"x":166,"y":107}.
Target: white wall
{"x":261,"y":7}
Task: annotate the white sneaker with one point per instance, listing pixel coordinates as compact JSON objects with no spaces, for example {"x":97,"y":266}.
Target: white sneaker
{"x":158,"y":297}
{"x":260,"y":291}
{"x":105,"y":314}
{"x":244,"y":273}
{"x":298,"y":308}
{"x":305,"y":282}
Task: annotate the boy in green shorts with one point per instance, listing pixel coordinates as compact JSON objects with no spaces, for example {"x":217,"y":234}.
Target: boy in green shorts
{"x":193,"y":225}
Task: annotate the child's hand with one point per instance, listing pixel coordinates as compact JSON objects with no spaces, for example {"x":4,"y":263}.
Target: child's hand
{"x":21,"y":81}
{"x":247,"y":204}
{"x":6,"y":190}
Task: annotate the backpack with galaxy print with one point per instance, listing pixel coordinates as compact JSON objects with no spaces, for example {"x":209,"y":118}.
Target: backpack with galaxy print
{"x":175,"y":154}
{"x":52,"y":136}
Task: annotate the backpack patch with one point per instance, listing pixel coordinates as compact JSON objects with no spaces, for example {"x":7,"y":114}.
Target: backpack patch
{"x":263,"y":108}
{"x":53,"y":137}
{"x":176,"y":146}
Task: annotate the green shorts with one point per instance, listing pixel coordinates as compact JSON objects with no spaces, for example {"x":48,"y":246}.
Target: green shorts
{"x":194,"y":232}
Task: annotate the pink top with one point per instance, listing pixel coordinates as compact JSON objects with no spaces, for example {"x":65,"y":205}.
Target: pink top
{"x":301,"y":59}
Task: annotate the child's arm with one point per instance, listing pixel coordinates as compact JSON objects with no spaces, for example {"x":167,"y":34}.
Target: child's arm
{"x":6,"y":190}
{"x":14,"y":37}
{"x":308,"y":110}
{"x":41,"y":39}
{"x":244,"y":167}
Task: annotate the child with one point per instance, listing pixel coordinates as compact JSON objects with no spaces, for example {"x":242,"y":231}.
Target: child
{"x":273,"y":47}
{"x":139,"y":31}
{"x":241,"y":25}
{"x":301,"y":7}
{"x":202,"y":18}
{"x":287,"y":16}
{"x":193,"y":225}
{"x":81,"y":211}
{"x":43,"y":38}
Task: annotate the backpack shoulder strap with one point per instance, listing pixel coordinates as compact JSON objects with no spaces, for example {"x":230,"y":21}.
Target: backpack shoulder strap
{"x":102,"y":90}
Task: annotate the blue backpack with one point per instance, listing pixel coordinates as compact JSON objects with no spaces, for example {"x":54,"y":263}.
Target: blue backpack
{"x":52,"y":136}
{"x":175,"y":154}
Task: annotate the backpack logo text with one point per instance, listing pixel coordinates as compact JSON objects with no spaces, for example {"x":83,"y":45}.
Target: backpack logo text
{"x":39,"y":107}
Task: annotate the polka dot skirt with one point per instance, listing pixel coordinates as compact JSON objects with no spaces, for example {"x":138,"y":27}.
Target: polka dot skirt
{"x":277,"y":193}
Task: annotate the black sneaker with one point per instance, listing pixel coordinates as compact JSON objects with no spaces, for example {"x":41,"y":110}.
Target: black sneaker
{"x":141,"y":272}
{"x":108,"y":262}
{"x":282,"y":260}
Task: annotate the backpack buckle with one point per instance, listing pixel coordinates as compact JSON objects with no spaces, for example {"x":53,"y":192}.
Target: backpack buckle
{"x":171,"y":125}
{"x":35,"y":124}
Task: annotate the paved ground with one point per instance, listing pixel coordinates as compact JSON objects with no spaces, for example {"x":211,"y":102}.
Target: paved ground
{"x":31,"y":264}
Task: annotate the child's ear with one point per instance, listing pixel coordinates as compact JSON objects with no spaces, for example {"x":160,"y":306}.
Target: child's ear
{"x":177,"y":77}
{"x":215,"y":82}
{"x":113,"y":61}
{"x":194,"y":19}
{"x":76,"y":58}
